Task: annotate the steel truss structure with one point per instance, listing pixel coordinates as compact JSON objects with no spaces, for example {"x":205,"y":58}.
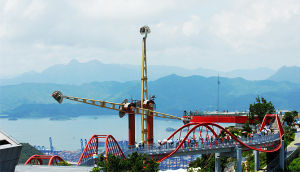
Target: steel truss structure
{"x":195,"y":137}
{"x":111,"y":147}
{"x":38,"y":160}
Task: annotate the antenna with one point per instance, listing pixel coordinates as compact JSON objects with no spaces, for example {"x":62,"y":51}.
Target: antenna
{"x":218,"y":99}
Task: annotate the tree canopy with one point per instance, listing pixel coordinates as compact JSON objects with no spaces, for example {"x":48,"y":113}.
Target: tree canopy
{"x":134,"y":162}
{"x":207,"y":163}
{"x":289,"y":117}
{"x":260,"y":108}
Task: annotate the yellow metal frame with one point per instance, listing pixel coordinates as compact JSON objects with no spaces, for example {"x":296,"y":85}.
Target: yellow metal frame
{"x":119,"y":107}
{"x":144,"y":95}
{"x":144,"y":91}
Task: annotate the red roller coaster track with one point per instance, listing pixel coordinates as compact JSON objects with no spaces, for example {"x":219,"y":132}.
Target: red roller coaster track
{"x":111,"y":147}
{"x":224,"y":136}
{"x":190,"y":136}
{"x":38,"y":160}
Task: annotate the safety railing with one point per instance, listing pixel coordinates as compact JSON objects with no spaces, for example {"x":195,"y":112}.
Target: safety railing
{"x":203,"y":145}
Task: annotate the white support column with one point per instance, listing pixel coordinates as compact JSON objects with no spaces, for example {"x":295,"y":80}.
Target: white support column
{"x":238,"y":159}
{"x":256,"y":160}
{"x":282,"y":156}
{"x":217,"y":162}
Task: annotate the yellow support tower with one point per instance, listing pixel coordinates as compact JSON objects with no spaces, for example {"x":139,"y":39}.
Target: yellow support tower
{"x":144,"y":87}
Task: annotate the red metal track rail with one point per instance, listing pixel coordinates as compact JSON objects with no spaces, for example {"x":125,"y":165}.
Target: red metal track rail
{"x":207,"y":126}
{"x":38,"y":160}
{"x":111,"y":147}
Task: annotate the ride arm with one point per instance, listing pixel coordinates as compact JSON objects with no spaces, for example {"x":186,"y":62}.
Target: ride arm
{"x":121,"y":107}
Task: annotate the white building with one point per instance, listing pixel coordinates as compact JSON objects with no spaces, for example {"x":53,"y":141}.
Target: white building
{"x":10,"y":151}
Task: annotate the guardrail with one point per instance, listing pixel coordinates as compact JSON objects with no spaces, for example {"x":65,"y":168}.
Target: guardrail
{"x":208,"y":145}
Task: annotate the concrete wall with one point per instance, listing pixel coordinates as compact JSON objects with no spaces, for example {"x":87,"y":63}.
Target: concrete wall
{"x":9,"y":158}
{"x":10,"y":151}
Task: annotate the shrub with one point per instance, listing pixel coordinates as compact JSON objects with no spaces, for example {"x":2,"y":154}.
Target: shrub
{"x":207,"y":163}
{"x":63,"y":163}
{"x":294,"y":165}
{"x":289,"y":135}
{"x":134,"y":162}
{"x":289,"y":117}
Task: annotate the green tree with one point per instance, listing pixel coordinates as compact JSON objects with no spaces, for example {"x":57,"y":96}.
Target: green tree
{"x":247,"y":127}
{"x":289,"y":135}
{"x":64,"y":163}
{"x":250,"y":160}
{"x":134,"y":162}
{"x":112,"y":163}
{"x":260,"y":108}
{"x":289,"y":117}
{"x":294,"y":165}
{"x":207,"y":163}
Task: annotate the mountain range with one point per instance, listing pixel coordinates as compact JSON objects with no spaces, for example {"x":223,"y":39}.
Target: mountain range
{"x":177,"y":89}
{"x":174,"y":95}
{"x":94,"y":71}
{"x":291,"y":74}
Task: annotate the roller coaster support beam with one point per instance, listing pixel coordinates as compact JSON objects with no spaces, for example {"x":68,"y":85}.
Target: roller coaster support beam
{"x":256,"y":160}
{"x":150,"y":129}
{"x":131,"y":130}
{"x":238,"y":159}
{"x":217,"y":162}
{"x":149,"y":104}
{"x":282,"y":156}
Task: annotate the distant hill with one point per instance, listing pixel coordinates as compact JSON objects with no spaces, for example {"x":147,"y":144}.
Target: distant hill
{"x":250,"y":74}
{"x":174,"y":95}
{"x":291,"y":74}
{"x":76,"y":73}
{"x":27,"y":152}
{"x":95,"y":71}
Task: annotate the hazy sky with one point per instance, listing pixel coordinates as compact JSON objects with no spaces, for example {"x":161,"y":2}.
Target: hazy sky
{"x":221,"y":35}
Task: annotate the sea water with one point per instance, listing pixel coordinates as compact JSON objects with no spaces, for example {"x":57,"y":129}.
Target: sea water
{"x":66,"y":134}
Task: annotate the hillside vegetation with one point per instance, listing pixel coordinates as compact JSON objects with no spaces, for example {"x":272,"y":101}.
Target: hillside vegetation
{"x":27,"y":152}
{"x":174,"y":95}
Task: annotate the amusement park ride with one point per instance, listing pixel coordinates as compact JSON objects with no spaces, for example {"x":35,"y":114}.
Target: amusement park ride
{"x":195,"y":137}
{"x":145,"y":107}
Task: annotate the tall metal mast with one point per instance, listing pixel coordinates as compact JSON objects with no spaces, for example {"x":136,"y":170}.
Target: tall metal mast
{"x":144,"y":87}
{"x":218,"y":99}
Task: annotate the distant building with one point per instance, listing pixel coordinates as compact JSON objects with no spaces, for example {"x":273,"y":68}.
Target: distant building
{"x":282,"y":112}
{"x":10,"y":151}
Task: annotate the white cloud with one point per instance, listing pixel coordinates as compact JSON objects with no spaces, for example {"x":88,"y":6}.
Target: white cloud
{"x":34,"y":9}
{"x":35,"y":34}
{"x":120,"y":9}
{"x":16,"y":16}
{"x":245,"y":22}
{"x":192,"y":27}
{"x":167,"y":29}
{"x":8,"y":6}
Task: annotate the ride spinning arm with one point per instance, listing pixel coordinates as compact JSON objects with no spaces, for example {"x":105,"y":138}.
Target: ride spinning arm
{"x":123,"y":107}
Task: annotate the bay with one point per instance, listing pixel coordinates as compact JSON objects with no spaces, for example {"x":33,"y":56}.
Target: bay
{"x":66,"y":134}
